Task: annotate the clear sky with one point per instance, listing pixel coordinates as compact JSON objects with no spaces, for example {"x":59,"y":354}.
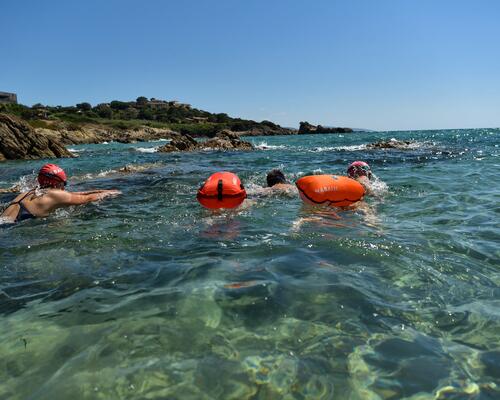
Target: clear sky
{"x":377,"y":64}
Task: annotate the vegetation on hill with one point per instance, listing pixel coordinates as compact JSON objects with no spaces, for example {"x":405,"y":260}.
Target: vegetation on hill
{"x":143,"y":112}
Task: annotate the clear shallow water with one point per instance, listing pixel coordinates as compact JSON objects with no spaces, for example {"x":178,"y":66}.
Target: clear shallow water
{"x":151,"y":296}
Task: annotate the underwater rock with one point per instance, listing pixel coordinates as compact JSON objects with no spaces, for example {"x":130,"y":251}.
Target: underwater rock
{"x":396,"y":368}
{"x":18,"y":140}
{"x":133,"y":168}
{"x":491,"y":361}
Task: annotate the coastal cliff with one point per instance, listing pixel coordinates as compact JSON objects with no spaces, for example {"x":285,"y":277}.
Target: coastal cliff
{"x":18,"y":140}
{"x":224,"y":140}
{"x":69,"y":134}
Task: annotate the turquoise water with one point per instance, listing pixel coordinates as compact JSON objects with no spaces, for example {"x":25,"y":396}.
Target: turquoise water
{"x":150,"y":296}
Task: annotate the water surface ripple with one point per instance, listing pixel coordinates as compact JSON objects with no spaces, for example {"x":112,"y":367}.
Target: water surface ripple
{"x":149,"y":296}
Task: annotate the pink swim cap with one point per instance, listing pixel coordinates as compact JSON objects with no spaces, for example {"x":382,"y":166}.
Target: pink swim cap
{"x":359,"y":168}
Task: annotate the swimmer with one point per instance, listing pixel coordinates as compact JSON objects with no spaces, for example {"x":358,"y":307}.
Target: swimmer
{"x":360,"y":171}
{"x":277,"y":183}
{"x":49,"y":196}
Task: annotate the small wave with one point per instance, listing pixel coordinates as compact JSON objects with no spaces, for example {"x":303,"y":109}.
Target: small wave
{"x":90,"y":176}
{"x":340,"y":148}
{"x":147,"y":149}
{"x":76,"y":150}
{"x":23,"y":184}
{"x":265,"y":146}
{"x":127,"y":169}
{"x":6,"y":221}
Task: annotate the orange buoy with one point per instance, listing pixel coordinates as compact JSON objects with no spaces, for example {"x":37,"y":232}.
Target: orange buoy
{"x":330,"y":190}
{"x":222,"y":190}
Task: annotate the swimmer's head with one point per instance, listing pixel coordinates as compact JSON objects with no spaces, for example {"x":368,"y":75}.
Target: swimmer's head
{"x":274,"y":177}
{"x":359,"y":168}
{"x":52,"y":176}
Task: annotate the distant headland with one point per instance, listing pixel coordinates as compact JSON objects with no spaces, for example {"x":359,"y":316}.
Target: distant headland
{"x":124,"y":121}
{"x":144,"y":112}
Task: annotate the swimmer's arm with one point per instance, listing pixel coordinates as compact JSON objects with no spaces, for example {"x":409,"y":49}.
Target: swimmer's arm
{"x":62,"y":198}
{"x":97,"y":191}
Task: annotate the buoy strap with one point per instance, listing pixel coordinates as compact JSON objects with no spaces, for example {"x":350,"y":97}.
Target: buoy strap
{"x":326,"y":200}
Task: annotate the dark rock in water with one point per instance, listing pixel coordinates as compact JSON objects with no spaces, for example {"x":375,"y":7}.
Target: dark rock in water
{"x":224,"y":140}
{"x":18,"y":140}
{"x":491,"y":361}
{"x":227,"y":140}
{"x":179,"y":143}
{"x":307,"y":128}
{"x":392,"y":144}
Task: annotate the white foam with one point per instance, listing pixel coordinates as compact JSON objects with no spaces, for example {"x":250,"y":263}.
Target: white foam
{"x":76,"y":150}
{"x":102,"y":173}
{"x":265,"y":146}
{"x":147,"y":149}
{"x":378,"y":187}
{"x":26,"y":182}
{"x":5,"y":221}
{"x":341,"y":148}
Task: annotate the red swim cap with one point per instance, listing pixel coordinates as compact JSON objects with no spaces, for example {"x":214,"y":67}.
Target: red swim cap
{"x":51,"y":175}
{"x":359,"y":168}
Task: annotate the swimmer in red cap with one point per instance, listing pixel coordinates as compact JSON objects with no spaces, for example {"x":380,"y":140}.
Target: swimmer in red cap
{"x":49,"y":196}
{"x":360,"y":171}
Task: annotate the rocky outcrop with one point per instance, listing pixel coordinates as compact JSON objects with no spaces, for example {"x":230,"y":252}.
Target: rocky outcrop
{"x":180,"y":143}
{"x":224,"y":140}
{"x":227,"y":140}
{"x":18,"y":140}
{"x":307,"y":128}
{"x":392,"y":144}
{"x":93,"y":134}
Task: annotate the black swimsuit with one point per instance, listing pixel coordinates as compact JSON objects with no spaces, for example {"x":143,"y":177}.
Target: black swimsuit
{"x":23,"y":211}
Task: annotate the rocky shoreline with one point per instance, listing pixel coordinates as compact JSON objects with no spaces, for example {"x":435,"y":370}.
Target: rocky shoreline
{"x":18,"y":140}
{"x":224,"y":140}
{"x":48,"y":138}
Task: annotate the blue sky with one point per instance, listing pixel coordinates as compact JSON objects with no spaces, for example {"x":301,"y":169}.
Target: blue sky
{"x":378,"y":64}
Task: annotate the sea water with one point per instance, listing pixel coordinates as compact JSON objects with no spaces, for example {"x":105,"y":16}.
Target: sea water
{"x":150,"y":296}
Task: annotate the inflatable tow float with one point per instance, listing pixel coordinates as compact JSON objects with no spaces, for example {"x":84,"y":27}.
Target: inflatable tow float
{"x":221,"y":190}
{"x":330,"y":190}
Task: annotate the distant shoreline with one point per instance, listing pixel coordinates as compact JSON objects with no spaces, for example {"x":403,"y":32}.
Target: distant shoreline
{"x":146,"y":114}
